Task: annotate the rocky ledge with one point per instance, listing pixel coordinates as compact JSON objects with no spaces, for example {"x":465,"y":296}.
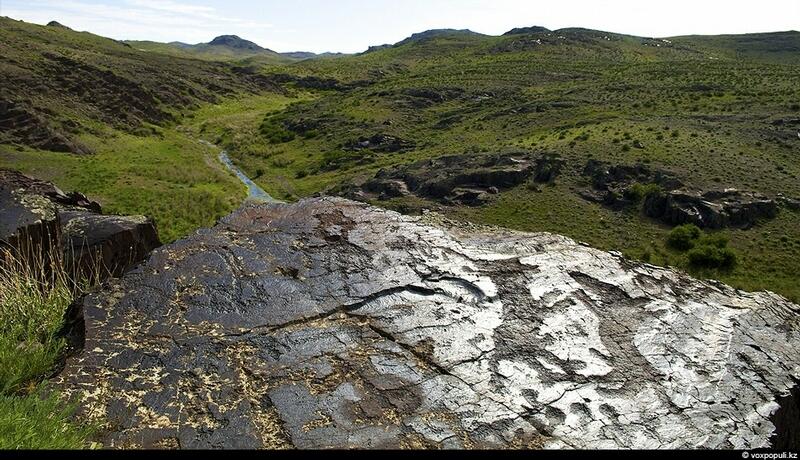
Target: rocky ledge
{"x":330,"y":323}
{"x":38,"y":219}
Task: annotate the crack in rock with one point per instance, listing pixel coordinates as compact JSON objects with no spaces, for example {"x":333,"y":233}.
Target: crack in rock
{"x":330,"y":324}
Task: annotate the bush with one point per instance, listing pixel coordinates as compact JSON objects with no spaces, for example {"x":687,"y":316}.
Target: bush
{"x":711,"y":256}
{"x":683,"y":237}
{"x":638,"y":192}
{"x":704,"y":251}
{"x":275,"y":133}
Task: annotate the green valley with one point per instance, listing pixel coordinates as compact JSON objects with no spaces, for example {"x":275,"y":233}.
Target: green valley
{"x":711,"y":112}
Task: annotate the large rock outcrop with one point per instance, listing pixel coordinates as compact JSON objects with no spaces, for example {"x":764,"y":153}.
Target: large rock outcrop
{"x":460,"y":179}
{"x":667,"y":199}
{"x":714,"y":209}
{"x":39,"y":220}
{"x":330,"y":323}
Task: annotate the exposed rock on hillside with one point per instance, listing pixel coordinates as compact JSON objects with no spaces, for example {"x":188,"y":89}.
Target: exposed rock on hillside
{"x":24,"y":125}
{"x":463,"y":179}
{"x":380,"y":143}
{"x":616,"y":186}
{"x":715,"y":209}
{"x":329,"y":323}
{"x":37,"y":216}
{"x":612,"y":184}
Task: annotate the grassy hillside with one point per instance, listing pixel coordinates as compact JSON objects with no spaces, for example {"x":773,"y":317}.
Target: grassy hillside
{"x":59,"y":84}
{"x":97,"y":115}
{"x":715,"y":112}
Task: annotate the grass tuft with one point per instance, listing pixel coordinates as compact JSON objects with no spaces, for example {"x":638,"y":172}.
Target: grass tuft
{"x":35,"y":293}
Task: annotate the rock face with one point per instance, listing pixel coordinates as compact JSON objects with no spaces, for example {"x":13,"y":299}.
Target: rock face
{"x":463,"y":179}
{"x":37,"y":218}
{"x":612,"y":184}
{"x":380,"y":143}
{"x":330,"y":323}
{"x":715,"y":209}
{"x":667,"y":200}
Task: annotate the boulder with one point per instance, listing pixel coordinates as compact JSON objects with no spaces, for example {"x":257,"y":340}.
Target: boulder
{"x":332,"y":324}
{"x":605,"y":175}
{"x":29,"y":224}
{"x":37,"y":219}
{"x":714,"y":209}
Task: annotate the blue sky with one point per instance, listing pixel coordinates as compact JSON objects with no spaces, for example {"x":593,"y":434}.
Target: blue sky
{"x":352,"y":26}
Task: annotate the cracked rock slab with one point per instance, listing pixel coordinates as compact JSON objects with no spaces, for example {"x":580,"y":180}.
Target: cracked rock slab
{"x":332,"y":324}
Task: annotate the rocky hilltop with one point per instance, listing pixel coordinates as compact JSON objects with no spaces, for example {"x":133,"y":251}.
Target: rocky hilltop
{"x":330,"y":323}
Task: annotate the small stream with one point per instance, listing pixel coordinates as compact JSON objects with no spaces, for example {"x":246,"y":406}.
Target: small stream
{"x":254,"y":192}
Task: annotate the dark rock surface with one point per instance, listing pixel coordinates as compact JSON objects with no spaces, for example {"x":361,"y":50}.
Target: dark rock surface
{"x":715,"y":209}
{"x":611,"y":184}
{"x":36,"y":217}
{"x":330,"y":323}
{"x":463,"y":179}
{"x":670,"y":202}
{"x":380,"y":143}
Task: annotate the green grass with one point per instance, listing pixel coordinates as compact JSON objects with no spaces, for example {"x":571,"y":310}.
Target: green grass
{"x":710,"y":110}
{"x":706,"y":109}
{"x":173,"y":178}
{"x":40,"y":421}
{"x":34,"y":297}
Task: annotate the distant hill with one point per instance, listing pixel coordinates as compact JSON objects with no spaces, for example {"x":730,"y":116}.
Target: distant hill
{"x":57,"y":24}
{"x":527,"y":30}
{"x":235,"y":42}
{"x":434,"y":36}
{"x":222,"y":48}
{"x":301,"y":55}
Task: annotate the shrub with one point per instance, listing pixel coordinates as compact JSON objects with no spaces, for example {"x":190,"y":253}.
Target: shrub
{"x":711,"y":256}
{"x":638,"y":192}
{"x":275,"y":133}
{"x":683,"y":237}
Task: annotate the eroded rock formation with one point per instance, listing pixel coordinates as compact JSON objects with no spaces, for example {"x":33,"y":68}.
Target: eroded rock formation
{"x":714,"y":209}
{"x":36,"y":218}
{"x":667,"y":199}
{"x":461,"y":179}
{"x":330,"y":323}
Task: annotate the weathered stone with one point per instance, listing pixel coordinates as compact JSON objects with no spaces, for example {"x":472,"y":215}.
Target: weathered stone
{"x":464,"y":179}
{"x":606,"y":176}
{"x":108,"y":243}
{"x":715,"y":209}
{"x":29,"y":225}
{"x":330,"y":323}
{"x":380,"y":143}
{"x":36,"y":219}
